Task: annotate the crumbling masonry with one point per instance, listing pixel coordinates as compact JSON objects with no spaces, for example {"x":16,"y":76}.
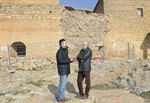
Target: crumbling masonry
{"x":119,"y":30}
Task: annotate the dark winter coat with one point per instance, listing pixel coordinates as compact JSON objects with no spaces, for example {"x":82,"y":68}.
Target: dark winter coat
{"x":63,"y":62}
{"x":84,"y":59}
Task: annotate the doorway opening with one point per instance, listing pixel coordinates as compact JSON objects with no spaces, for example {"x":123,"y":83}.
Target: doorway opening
{"x":18,"y":49}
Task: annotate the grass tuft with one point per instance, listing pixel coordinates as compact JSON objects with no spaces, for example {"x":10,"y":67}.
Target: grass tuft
{"x":38,"y":83}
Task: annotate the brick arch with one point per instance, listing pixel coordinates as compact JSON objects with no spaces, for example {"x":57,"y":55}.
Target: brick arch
{"x":18,"y":49}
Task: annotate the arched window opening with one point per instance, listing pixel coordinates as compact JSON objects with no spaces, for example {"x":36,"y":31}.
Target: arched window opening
{"x":18,"y":49}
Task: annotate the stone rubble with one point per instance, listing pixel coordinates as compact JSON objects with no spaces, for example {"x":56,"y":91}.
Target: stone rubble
{"x":111,"y":81}
{"x":79,"y":26}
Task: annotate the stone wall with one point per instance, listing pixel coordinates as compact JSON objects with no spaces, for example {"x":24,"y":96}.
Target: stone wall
{"x":23,"y":63}
{"x":79,"y":26}
{"x":40,"y":26}
{"x":30,"y":1}
{"x":36,"y":26}
{"x":120,"y":34}
{"x":127,"y":27}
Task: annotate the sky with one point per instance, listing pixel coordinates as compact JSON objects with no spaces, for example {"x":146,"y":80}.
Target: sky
{"x":79,"y":4}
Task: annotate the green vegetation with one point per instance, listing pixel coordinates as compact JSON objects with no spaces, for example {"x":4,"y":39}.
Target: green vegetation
{"x":134,"y":69}
{"x":9,"y":100}
{"x":38,"y":83}
{"x":145,"y":95}
{"x":20,"y":69}
{"x":2,"y":94}
{"x":20,"y":92}
{"x":102,"y":87}
{"x":145,"y":69}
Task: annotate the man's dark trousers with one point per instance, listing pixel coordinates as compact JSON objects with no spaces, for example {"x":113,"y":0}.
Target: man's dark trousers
{"x":81,"y":76}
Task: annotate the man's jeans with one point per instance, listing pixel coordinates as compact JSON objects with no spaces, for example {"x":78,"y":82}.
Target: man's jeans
{"x":62,"y":86}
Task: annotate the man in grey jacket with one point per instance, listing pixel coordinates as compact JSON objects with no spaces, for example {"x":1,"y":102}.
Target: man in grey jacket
{"x":84,"y":60}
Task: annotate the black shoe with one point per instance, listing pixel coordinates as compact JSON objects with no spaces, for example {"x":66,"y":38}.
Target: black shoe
{"x":82,"y":94}
{"x":86,"y":97}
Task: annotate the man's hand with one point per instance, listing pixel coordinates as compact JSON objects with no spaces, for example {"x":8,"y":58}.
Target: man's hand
{"x":73,"y":59}
{"x":81,"y":60}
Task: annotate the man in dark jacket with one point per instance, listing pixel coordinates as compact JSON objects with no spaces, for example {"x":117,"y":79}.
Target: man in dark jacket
{"x":63,"y":65}
{"x":84,"y":60}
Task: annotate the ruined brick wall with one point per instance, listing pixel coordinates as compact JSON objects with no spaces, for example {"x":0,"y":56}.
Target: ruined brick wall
{"x":40,"y":26}
{"x":30,"y":1}
{"x":36,"y":26}
{"x":79,"y":26}
{"x":127,"y":27}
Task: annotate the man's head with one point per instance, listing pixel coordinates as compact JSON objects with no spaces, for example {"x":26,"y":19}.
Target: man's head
{"x":62,"y":43}
{"x":85,"y":45}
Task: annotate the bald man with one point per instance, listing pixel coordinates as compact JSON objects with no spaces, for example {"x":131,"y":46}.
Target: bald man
{"x":84,"y":64}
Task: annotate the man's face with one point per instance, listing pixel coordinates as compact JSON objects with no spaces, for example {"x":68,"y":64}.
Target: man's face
{"x":64,"y":44}
{"x":85,"y":45}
